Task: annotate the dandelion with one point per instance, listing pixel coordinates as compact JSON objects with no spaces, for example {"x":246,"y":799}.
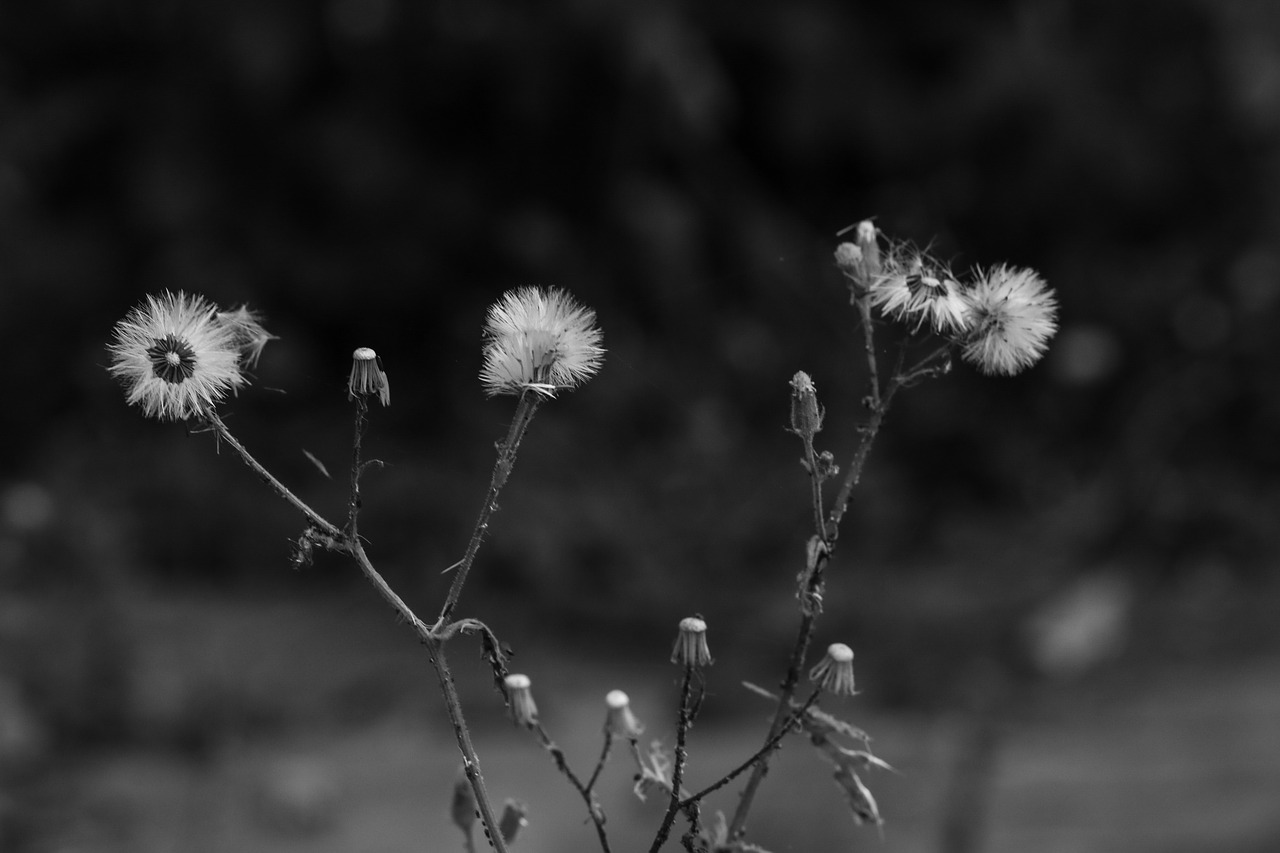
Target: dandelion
{"x":918,"y":291}
{"x":834,"y":673}
{"x":368,"y":377}
{"x":251,"y":337}
{"x":619,"y":721}
{"x":174,"y":357}
{"x":523,"y":709}
{"x":541,"y":341}
{"x":691,"y":645}
{"x":1012,"y":316}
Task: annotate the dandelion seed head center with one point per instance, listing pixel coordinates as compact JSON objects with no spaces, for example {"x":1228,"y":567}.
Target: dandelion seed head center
{"x":172,"y":359}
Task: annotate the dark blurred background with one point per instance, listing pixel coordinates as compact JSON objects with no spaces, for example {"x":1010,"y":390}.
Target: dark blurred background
{"x":376,"y":172}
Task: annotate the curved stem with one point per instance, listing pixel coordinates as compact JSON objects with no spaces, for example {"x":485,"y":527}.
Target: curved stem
{"x":525,"y":410}
{"x":267,"y":477}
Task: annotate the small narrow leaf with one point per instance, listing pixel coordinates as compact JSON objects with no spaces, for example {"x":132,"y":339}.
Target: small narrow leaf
{"x":316,"y":462}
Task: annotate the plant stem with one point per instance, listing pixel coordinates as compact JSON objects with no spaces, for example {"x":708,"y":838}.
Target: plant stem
{"x":470,"y":761}
{"x":350,"y":543}
{"x":815,"y":486}
{"x":562,"y":764}
{"x":353,"y":503}
{"x":525,"y":410}
{"x":600,"y":762}
{"x":777,"y":727}
{"x":677,"y":773}
{"x":267,"y":477}
{"x":829,"y":531}
{"x":769,"y":746}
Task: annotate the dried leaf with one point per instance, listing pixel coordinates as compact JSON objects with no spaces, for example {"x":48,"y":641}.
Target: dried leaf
{"x":316,"y":462}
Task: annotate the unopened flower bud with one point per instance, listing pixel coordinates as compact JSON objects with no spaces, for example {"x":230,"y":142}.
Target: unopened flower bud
{"x":463,"y":807}
{"x":860,"y":261}
{"x":834,"y":673}
{"x":513,"y":819}
{"x":620,"y":722}
{"x":523,"y":710}
{"x":806,"y":415}
{"x":870,"y":247}
{"x":368,"y":377}
{"x":691,"y":645}
{"x":849,"y":259}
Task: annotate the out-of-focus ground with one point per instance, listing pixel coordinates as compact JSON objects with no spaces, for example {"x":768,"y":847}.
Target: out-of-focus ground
{"x":311,"y":723}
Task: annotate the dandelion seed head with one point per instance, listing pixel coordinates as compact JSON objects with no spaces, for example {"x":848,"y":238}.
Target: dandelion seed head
{"x":173,"y":356}
{"x":539,"y":340}
{"x":1012,"y":316}
{"x":251,"y":337}
{"x":915,"y":289}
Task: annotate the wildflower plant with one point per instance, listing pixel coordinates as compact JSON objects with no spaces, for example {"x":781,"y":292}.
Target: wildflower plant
{"x":178,"y":356}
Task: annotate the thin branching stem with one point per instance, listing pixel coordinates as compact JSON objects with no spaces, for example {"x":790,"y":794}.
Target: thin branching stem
{"x":600,"y":762}
{"x":828,"y":530}
{"x":525,"y":411}
{"x":778,"y":726}
{"x":317,"y":520}
{"x":349,"y":542}
{"x":761,"y":754}
{"x":677,"y":773}
{"x":562,"y":764}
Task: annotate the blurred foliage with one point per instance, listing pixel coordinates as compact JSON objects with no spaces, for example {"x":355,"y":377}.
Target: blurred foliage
{"x":374,"y":173}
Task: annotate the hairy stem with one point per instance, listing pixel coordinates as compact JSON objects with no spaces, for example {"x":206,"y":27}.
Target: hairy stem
{"x":677,"y":772}
{"x":470,"y":761}
{"x":348,"y":541}
{"x":562,"y":764}
{"x":778,"y":726}
{"x":353,"y":503}
{"x":600,"y":762}
{"x":761,"y":754}
{"x":829,"y":531}
{"x":525,"y":410}
{"x":267,"y":477}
